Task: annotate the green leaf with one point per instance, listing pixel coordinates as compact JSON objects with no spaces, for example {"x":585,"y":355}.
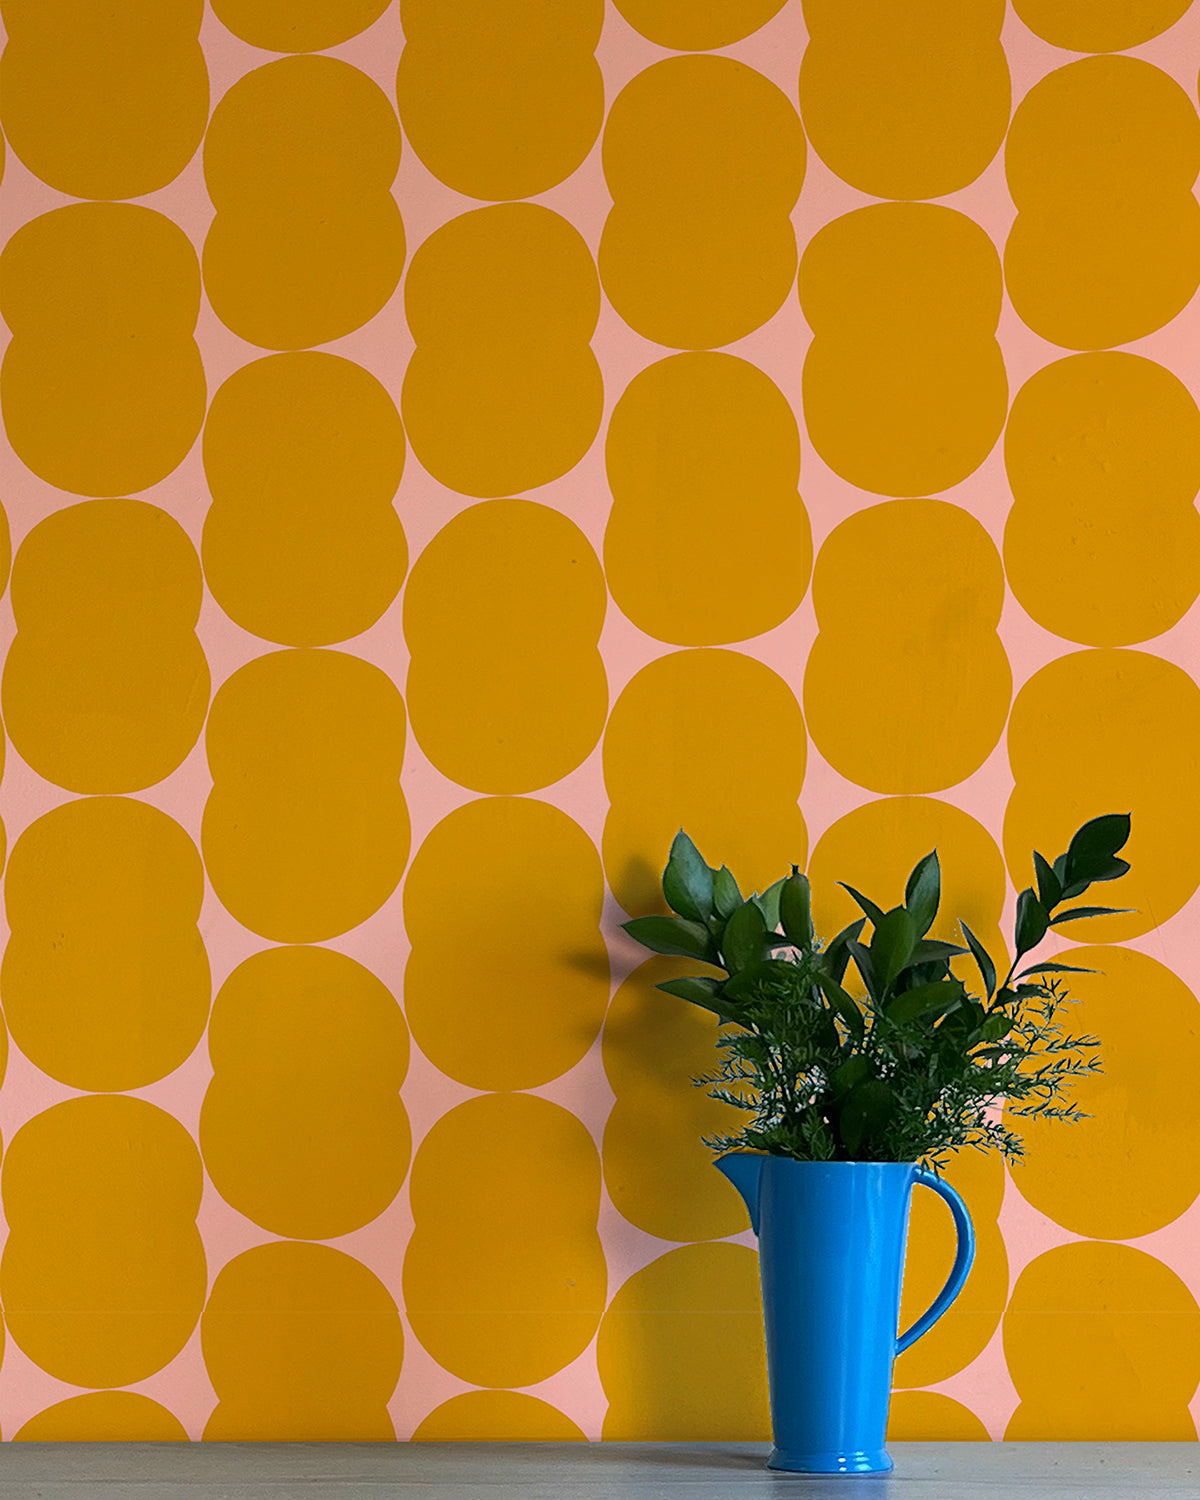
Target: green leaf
{"x":1049,"y":888}
{"x":746,"y":980}
{"x":1069,"y":889}
{"x":768,"y":904}
{"x":892,"y":944}
{"x":865,"y":966}
{"x":795,"y":909}
{"x":1032,"y":922}
{"x":844,"y":1004}
{"x":874,"y":913}
{"x":687,"y":881}
{"x":973,"y":1010}
{"x":867,"y":1109}
{"x":726,"y":896}
{"x":987,"y":969}
{"x":694,"y":987}
{"x":837,"y":955}
{"x":1055,"y":968}
{"x":673,"y":935}
{"x":931,"y":950}
{"x":932,"y":972}
{"x":996,"y":1027}
{"x":1092,"y":849}
{"x":850,"y":1074}
{"x":745,"y":937}
{"x":1077,"y":912}
{"x":923,"y":893}
{"x":925,"y":1000}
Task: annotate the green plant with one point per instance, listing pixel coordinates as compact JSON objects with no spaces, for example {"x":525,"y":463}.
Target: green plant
{"x":917,"y":1067}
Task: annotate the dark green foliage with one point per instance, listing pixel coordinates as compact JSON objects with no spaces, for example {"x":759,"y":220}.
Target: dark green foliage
{"x":687,"y":881}
{"x":915,"y":1068}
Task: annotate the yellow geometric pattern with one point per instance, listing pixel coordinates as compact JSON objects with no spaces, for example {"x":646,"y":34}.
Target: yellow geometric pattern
{"x":1088,"y":141}
{"x":503,"y":392}
{"x":288,"y":1037}
{"x":904,"y":386}
{"x":504,"y":1278}
{"x":1103,"y":456}
{"x":686,"y":433}
{"x":905,"y":103}
{"x":699,"y":250}
{"x":104,"y":386}
{"x":296,"y":444}
{"x":307,"y":243}
{"x":478,"y":85}
{"x":105,"y":977}
{"x":450,"y":446}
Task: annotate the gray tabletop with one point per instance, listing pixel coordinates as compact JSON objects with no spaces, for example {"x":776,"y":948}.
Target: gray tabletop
{"x":583,"y":1471}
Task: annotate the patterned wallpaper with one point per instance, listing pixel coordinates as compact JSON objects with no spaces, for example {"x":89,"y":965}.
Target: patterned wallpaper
{"x":452,"y":444}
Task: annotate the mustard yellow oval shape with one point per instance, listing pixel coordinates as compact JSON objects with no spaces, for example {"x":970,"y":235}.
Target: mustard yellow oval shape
{"x":1141,"y":1138}
{"x":308,"y":242}
{"x":537,"y":891}
{"x":302,"y":1128}
{"x":281,"y":26}
{"x":497,"y":1417}
{"x":932,"y":1416}
{"x":963,"y":1332}
{"x":1101,"y":25}
{"x":527,"y":704}
{"x":1125,"y":1357}
{"x":309,"y":448}
{"x":302,"y":1343}
{"x":655,"y":1046}
{"x":1130,"y":718}
{"x":1101,"y":159}
{"x":106,"y":979}
{"x":80,"y":82}
{"x":306,"y":832}
{"x":904,"y":389}
{"x":699,"y":249}
{"x":103,"y":1417}
{"x":908,"y":102}
{"x":929,"y":703}
{"x":657,"y":783}
{"x":103,"y":1276}
{"x":503,"y":392}
{"x":1102,"y":543}
{"x":688,"y":435}
{"x":685,"y":26}
{"x":504,"y":1277}
{"x":501,"y":102}
{"x":681,"y":1353}
{"x":102,"y":387}
{"x":106,"y":685}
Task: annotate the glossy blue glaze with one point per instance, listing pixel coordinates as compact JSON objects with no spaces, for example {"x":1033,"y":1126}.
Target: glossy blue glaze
{"x":831,"y":1239}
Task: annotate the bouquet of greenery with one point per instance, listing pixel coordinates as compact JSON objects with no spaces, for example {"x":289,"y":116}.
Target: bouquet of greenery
{"x":917,"y":1067}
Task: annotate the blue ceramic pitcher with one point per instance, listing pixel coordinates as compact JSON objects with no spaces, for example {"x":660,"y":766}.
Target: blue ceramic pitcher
{"x":831,"y":1239}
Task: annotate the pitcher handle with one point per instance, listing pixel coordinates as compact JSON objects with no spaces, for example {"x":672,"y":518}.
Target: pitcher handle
{"x":963,"y":1259}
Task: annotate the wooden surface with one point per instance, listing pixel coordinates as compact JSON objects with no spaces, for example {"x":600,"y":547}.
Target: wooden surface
{"x":579,"y":1471}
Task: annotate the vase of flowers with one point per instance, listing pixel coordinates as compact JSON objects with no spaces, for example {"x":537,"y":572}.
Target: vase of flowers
{"x":855,"y":1093}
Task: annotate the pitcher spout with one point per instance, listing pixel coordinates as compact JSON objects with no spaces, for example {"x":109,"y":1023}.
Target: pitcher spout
{"x":744,"y":1170}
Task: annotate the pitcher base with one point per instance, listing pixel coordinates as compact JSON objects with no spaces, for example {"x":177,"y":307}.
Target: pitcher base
{"x":857,"y":1461}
